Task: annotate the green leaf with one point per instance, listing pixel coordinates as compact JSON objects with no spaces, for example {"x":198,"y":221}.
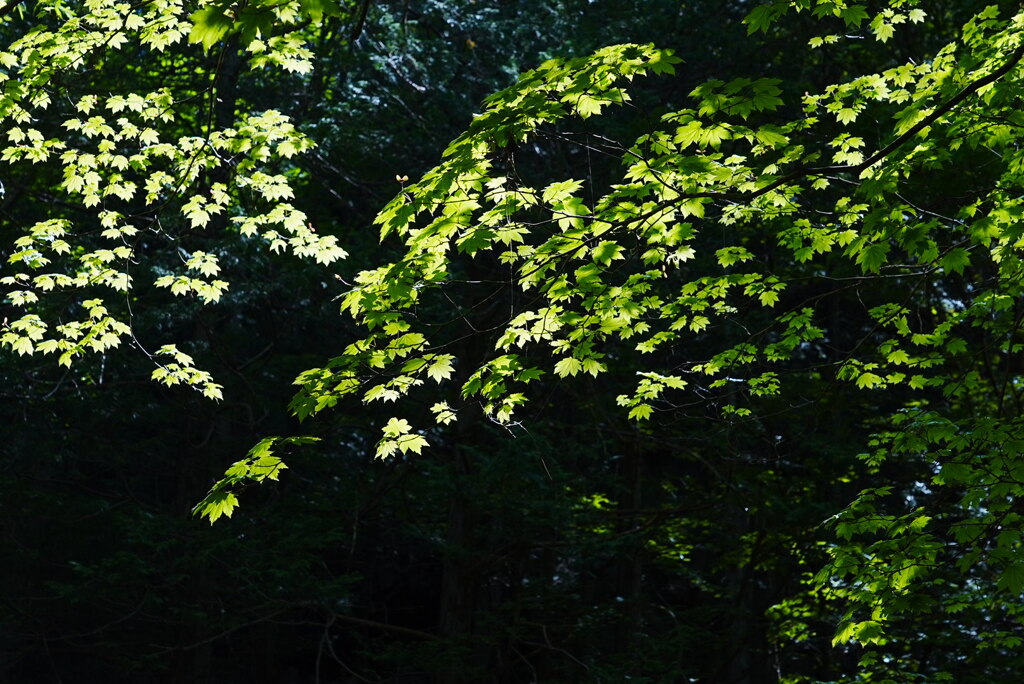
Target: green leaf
{"x":854,"y":15}
{"x":560,"y":191}
{"x":23,"y":345}
{"x":606,"y":252}
{"x":846,"y":115}
{"x":1012,"y":579}
{"x":396,"y":427}
{"x":869,"y":380}
{"x":728,"y":256}
{"x":318,"y":9}
{"x":441,"y":368}
{"x":882,"y":29}
{"x":873,"y":256}
{"x":956,"y":260}
{"x":593,"y":366}
{"x":641,"y":412}
{"x":868,"y":632}
{"x":443,"y":413}
{"x":845,"y":633}
{"x":568,"y":366}
{"x":761,"y":18}
{"x":216,"y":504}
{"x":210,"y":25}
{"x":413,"y":443}
{"x":898,"y":356}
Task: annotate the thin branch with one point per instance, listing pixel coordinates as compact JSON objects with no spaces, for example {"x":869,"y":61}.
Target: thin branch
{"x":408,"y":631}
{"x":357,"y":30}
{"x":941,"y":110}
{"x":9,"y":7}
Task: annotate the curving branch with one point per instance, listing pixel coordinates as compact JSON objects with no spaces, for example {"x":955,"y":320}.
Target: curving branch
{"x":9,"y":7}
{"x":940,"y":111}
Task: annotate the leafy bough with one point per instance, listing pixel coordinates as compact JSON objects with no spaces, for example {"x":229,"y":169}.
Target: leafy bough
{"x":739,"y":212}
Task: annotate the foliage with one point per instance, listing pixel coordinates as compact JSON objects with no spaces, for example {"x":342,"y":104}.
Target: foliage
{"x":141,"y":170}
{"x":695,"y":310}
{"x":640,"y":262}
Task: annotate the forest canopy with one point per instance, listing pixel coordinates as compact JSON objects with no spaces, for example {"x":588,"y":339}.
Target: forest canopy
{"x":640,"y":328}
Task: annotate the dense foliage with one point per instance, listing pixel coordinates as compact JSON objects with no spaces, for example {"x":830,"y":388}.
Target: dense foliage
{"x":676,"y":342}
